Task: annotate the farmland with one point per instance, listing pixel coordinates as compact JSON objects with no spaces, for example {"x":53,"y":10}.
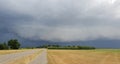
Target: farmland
{"x":84,"y":56}
{"x":2,"y":52}
{"x":50,"y":56}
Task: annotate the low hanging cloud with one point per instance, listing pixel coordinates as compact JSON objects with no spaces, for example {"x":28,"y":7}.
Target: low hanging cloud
{"x":61,"y":20}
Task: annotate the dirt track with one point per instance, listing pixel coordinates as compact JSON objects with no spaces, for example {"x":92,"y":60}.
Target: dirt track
{"x":41,"y":59}
{"x":9,"y":57}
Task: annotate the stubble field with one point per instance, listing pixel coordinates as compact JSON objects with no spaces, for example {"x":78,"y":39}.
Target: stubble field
{"x":2,"y":52}
{"x":84,"y":56}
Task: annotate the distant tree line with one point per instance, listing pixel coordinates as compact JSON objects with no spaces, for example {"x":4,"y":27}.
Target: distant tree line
{"x":73,"y":47}
{"x":11,"y":44}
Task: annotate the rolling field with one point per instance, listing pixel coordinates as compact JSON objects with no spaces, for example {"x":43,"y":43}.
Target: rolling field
{"x":84,"y":56}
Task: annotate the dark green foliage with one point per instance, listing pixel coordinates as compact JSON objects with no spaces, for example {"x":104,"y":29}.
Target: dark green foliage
{"x":67,"y":47}
{"x":47,"y":46}
{"x":3,"y":46}
{"x":14,"y":44}
{"x":29,"y":48}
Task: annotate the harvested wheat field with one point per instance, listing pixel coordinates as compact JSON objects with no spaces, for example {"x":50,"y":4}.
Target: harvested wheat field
{"x":83,"y":56}
{"x":2,"y":52}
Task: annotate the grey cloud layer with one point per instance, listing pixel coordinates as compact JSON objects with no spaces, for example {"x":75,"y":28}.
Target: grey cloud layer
{"x":61,"y":20}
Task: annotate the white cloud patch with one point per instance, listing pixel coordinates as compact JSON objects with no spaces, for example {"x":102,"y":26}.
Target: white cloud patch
{"x":65,"y":20}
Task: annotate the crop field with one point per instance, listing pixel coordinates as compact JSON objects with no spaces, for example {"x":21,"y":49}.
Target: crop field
{"x":106,"y":56}
{"x":2,"y":52}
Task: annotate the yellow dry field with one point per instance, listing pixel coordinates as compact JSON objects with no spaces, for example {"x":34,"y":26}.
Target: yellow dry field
{"x":83,"y":56}
{"x":10,"y":51}
{"x":26,"y":59}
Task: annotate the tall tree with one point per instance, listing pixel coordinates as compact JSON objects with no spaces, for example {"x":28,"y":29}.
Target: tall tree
{"x":14,"y":44}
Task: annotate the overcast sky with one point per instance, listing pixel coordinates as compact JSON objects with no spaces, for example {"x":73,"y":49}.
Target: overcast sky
{"x":60,"y":20}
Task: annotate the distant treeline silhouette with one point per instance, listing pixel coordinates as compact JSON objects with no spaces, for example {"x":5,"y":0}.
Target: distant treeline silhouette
{"x":73,"y":47}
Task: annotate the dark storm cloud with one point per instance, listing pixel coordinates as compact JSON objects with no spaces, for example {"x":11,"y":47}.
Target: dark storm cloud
{"x":61,"y":20}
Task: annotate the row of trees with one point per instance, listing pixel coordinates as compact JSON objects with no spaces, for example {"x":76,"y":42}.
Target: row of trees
{"x":66,"y":47}
{"x":11,"y":44}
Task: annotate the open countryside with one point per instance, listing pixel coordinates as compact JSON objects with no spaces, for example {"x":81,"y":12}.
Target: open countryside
{"x":59,"y":31}
{"x":11,"y":53}
{"x":44,"y":56}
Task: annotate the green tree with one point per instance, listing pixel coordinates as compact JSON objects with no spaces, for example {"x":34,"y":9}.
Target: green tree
{"x":3,"y":46}
{"x":14,"y":44}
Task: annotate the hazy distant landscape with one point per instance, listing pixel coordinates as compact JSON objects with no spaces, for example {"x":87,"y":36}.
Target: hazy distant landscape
{"x":12,"y":53}
{"x":59,"y":31}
